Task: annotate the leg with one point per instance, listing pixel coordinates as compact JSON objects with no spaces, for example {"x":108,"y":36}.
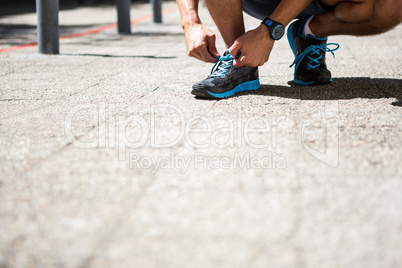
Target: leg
{"x":225,"y":80}
{"x":357,"y":17}
{"x":348,"y":17}
{"x":228,"y":17}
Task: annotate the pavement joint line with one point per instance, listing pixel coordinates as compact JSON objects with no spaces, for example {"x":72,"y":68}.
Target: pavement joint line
{"x":47,"y":105}
{"x":92,"y":31}
{"x":29,"y":111}
{"x":18,"y":69}
{"x":85,"y":206}
{"x":56,"y":100}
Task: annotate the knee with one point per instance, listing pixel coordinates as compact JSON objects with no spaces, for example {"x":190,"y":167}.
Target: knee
{"x":386,"y":15}
{"x":379,"y":15}
{"x":354,"y":12}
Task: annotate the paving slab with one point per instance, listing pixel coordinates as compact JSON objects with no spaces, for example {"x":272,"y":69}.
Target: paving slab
{"x":107,"y":160}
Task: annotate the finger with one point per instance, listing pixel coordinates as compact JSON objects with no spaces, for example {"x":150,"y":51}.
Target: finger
{"x":195,"y":54}
{"x":201,"y":53}
{"x":235,"y":49}
{"x":239,"y":62}
{"x":205,"y":55}
{"x":212,"y":47}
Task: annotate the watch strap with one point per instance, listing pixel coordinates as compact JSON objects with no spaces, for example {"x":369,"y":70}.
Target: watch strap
{"x":272,"y":27}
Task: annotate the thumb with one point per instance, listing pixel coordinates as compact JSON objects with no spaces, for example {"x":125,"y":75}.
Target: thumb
{"x":235,"y":51}
{"x":212,"y":48}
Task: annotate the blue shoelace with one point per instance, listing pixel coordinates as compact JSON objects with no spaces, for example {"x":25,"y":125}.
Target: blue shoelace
{"x":221,"y":70}
{"x":311,"y":51}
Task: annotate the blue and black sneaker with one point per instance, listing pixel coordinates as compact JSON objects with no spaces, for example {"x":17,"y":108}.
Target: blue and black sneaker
{"x":309,"y":54}
{"x":225,"y":80}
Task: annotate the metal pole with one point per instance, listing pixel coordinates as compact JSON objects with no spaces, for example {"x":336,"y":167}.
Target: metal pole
{"x":123,"y":16}
{"x":157,"y":10}
{"x":48,"y":26}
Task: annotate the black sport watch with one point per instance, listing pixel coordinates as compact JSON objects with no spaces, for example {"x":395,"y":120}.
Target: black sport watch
{"x":276,"y":29}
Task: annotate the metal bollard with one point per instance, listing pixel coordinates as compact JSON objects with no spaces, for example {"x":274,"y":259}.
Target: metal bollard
{"x":48,"y":26}
{"x":123,"y":16}
{"x":157,"y":10}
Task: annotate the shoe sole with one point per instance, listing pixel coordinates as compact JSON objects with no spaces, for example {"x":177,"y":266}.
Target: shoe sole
{"x":303,"y":83}
{"x":246,"y":86}
{"x":292,"y":46}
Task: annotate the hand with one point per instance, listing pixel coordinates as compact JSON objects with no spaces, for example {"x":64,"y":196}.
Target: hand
{"x":254,"y":48}
{"x":200,"y":43}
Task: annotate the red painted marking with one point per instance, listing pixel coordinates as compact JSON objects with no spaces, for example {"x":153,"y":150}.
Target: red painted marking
{"x":18,"y":47}
{"x":93,"y":31}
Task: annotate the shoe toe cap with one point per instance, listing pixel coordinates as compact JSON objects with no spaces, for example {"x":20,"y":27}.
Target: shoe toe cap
{"x":198,"y":86}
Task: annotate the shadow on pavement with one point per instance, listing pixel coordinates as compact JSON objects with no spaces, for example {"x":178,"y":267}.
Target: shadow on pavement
{"x":118,"y":56}
{"x":341,"y":88}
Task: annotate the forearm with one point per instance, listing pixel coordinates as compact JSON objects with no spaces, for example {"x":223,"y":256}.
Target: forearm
{"x":188,"y":12}
{"x":287,"y":10}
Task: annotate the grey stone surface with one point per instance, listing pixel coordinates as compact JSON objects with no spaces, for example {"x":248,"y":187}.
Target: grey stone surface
{"x":107,"y":160}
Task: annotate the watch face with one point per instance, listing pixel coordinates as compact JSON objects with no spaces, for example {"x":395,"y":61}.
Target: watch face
{"x":278,"y":32}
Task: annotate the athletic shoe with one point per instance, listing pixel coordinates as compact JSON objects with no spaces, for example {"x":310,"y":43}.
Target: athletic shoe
{"x":225,"y":80}
{"x":309,"y":54}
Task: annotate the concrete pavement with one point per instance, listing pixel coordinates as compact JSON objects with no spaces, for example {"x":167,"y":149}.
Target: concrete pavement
{"x":107,"y":160}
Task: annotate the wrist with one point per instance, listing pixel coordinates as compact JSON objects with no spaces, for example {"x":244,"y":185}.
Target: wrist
{"x":276,"y":29}
{"x":190,"y":19}
{"x":264,"y":31}
{"x":265,"y":36}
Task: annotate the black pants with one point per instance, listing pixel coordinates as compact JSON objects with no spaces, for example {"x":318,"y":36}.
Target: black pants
{"x":261,"y":9}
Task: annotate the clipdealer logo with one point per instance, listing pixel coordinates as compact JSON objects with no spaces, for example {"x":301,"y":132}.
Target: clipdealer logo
{"x":199,"y":131}
{"x":165,"y":126}
{"x":202,"y":160}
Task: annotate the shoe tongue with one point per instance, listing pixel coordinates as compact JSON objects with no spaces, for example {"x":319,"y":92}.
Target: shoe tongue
{"x":312,"y":40}
{"x":227,"y":54}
